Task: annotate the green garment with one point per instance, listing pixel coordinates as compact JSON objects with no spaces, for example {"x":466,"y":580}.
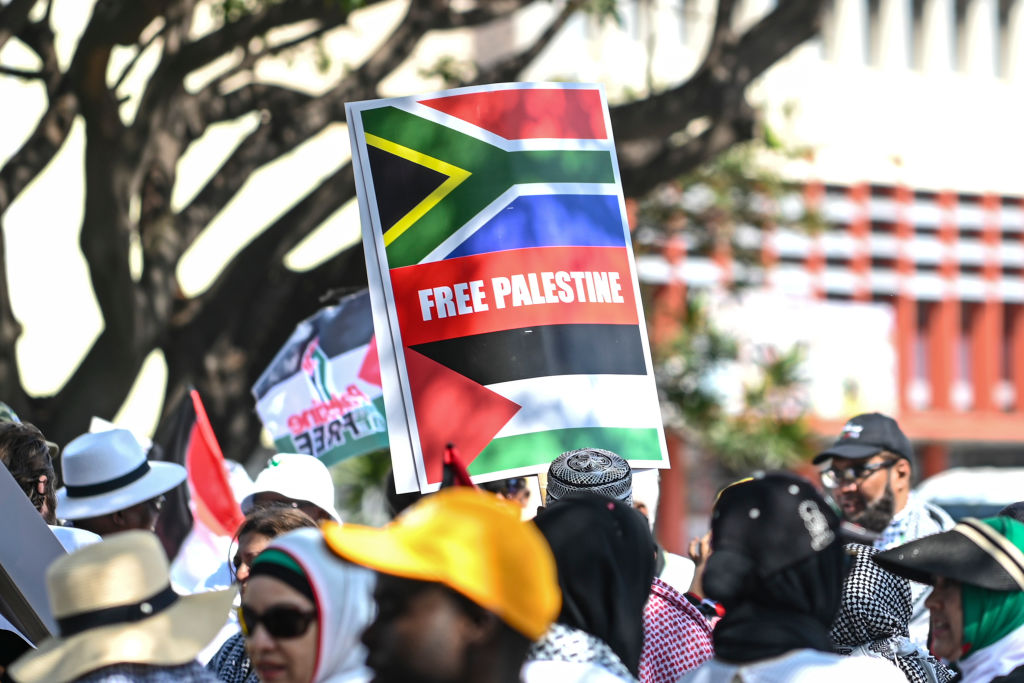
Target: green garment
{"x":990,"y":615}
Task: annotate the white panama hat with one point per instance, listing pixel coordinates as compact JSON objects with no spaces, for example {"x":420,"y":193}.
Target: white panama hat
{"x":114,"y":604}
{"x":296,"y":476}
{"x":108,"y":471}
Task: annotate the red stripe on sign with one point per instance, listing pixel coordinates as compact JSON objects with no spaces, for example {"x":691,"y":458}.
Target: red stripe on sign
{"x":530,"y":113}
{"x":512,"y":289}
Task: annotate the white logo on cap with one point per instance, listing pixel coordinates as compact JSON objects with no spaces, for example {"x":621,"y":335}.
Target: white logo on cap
{"x":817,"y":525}
{"x":851,"y":431}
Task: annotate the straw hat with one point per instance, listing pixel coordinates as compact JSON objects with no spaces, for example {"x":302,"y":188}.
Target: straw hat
{"x":113,"y":604}
{"x":108,"y":471}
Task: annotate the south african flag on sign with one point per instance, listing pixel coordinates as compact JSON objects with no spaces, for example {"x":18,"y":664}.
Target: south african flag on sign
{"x":503,"y":284}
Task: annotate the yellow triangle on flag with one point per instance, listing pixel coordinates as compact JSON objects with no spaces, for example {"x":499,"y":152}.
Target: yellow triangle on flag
{"x":455,"y":175}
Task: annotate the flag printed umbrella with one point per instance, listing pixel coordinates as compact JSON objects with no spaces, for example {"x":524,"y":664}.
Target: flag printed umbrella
{"x":321,"y":395}
{"x":501,"y":269}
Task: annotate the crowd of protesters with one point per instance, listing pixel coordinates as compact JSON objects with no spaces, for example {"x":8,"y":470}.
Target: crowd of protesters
{"x":850,"y":578}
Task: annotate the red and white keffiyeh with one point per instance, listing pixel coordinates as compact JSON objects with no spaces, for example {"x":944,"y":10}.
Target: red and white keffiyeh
{"x":677,"y":637}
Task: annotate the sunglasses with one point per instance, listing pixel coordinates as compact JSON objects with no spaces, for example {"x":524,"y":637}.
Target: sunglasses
{"x":280,"y":622}
{"x":834,"y":477}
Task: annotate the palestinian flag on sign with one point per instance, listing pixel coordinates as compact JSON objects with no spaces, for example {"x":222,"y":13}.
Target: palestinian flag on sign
{"x":321,"y":395}
{"x":495,"y":228}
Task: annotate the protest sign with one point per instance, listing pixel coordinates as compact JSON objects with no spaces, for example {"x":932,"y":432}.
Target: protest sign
{"x":503,"y":282}
{"x":27,"y":550}
{"x":321,"y":394}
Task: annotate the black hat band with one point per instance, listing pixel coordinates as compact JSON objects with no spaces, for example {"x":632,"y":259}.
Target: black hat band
{"x":109,"y":485}
{"x":119,"y":614}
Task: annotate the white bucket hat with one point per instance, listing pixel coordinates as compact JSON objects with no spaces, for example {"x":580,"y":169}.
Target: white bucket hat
{"x":108,"y":471}
{"x":296,"y":476}
{"x":114,"y":604}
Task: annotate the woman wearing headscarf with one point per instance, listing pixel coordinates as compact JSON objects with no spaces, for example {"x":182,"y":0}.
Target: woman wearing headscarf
{"x":231,"y":662}
{"x":777,"y":568}
{"x":873,"y":619}
{"x":303,"y":612}
{"x":976,"y":607}
{"x":605,"y":557}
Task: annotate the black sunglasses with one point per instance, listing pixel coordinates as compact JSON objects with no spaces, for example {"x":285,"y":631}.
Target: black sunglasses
{"x":280,"y":622}
{"x":835,"y":477}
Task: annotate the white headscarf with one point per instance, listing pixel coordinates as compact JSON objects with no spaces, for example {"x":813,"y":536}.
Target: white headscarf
{"x":344,"y":602}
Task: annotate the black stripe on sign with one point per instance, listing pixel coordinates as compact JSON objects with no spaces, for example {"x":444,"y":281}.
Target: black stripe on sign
{"x":541,"y":352}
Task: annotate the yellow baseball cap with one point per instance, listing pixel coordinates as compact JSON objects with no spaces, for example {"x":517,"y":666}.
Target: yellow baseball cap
{"x":471,"y":541}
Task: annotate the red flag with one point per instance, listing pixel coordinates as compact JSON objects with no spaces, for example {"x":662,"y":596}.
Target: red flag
{"x":455,"y":473}
{"x":215,"y":503}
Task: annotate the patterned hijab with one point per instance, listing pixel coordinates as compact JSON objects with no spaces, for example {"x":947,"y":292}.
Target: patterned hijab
{"x":872,"y":619}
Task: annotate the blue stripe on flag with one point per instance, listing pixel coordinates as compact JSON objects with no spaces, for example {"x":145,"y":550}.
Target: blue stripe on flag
{"x":549,"y":220}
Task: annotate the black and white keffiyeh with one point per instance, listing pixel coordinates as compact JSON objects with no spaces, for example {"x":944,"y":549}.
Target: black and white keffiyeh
{"x":566,"y":644}
{"x":231,"y":664}
{"x":872,"y":619}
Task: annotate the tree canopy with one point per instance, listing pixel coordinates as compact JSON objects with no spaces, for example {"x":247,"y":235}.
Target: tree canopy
{"x":221,"y":339}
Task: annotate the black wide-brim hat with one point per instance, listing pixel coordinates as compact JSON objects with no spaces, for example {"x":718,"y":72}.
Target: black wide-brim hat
{"x":972,"y":552}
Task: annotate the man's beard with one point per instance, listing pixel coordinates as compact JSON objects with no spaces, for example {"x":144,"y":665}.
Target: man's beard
{"x":877,"y":514}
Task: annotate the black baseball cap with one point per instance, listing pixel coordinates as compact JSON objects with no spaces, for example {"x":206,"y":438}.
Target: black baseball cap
{"x":763,"y":524}
{"x":866,"y":435}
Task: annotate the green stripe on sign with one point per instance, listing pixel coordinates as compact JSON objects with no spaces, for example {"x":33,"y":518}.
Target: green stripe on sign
{"x":284,"y":444}
{"x":540,"y":448}
{"x":334,"y":441}
{"x":492,"y":171}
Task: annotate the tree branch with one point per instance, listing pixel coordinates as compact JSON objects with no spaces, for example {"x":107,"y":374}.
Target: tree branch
{"x":727,"y":66}
{"x":641,"y":173}
{"x":53,"y":126}
{"x":40,"y":39}
{"x":294,"y":117}
{"x":135,"y":58}
{"x":483,"y":13}
{"x":10,"y":329}
{"x":419,"y":18}
{"x":215,"y":108}
{"x":13,"y":18}
{"x":509,"y":69}
{"x":25,"y":74}
{"x":239,"y":33}
{"x":261,"y":260}
{"x":37,"y":151}
{"x":115,"y":357}
{"x":222,"y":344}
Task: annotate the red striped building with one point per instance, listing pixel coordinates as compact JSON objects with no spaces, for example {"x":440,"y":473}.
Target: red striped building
{"x":950,"y":266}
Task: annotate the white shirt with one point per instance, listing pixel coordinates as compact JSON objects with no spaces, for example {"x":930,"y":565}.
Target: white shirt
{"x":799,"y":666}
{"x":917,"y":518}
{"x":998,"y":659}
{"x":550,"y":671}
{"x":71,"y":539}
